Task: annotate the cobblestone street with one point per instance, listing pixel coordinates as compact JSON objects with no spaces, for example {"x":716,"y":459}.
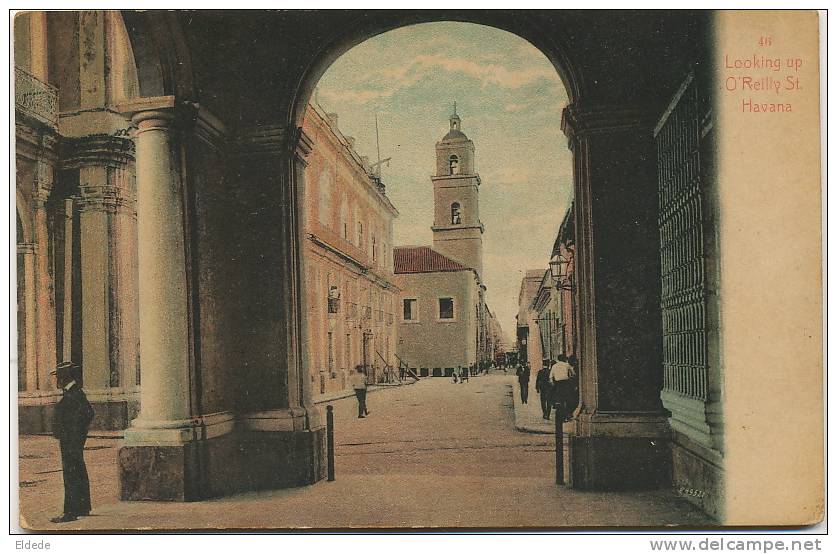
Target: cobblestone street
{"x":432,"y":454}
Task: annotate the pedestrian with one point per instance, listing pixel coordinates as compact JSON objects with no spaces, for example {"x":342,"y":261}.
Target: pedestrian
{"x":523,"y":373}
{"x":572,"y":400}
{"x":456,"y":374}
{"x":560,"y":375}
{"x":358,"y":380}
{"x":544,"y":388}
{"x":71,"y":420}
{"x":463,"y":375}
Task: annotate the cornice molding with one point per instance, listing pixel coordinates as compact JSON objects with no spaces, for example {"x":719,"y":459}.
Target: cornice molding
{"x":273,"y":140}
{"x":582,"y":122}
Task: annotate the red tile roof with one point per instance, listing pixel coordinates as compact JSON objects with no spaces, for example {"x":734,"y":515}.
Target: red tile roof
{"x":422,"y":259}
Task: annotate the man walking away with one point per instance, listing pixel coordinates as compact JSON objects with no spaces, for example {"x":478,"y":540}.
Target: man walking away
{"x":358,"y":380}
{"x":544,"y":388}
{"x":559,"y":376}
{"x":523,"y":373}
{"x":71,"y":420}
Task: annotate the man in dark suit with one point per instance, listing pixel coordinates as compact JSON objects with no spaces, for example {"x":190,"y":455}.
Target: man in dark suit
{"x":544,"y":387}
{"x":523,"y":372}
{"x":72,"y":418}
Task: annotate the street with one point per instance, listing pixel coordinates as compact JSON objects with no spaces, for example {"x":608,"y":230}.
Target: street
{"x":431,"y":454}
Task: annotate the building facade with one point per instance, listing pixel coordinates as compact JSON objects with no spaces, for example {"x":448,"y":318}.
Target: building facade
{"x":76,"y":214}
{"x":496,"y":341}
{"x":528,"y":333}
{"x":438,"y":329}
{"x":554,"y":303}
{"x":564,"y":248}
{"x":350,"y":288}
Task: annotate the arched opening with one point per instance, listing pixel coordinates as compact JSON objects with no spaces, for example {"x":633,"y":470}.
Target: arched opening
{"x":508,"y":110}
{"x":455,"y":214}
{"x":453,"y":165}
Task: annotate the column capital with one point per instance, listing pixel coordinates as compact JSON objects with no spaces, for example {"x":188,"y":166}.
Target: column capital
{"x":157,"y":112}
{"x":580,"y":122}
{"x":110,"y":198}
{"x":97,"y":150}
{"x":26,"y":247}
{"x":44,"y":179}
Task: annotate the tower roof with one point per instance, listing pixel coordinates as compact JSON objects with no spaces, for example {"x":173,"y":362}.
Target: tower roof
{"x":455,"y":134}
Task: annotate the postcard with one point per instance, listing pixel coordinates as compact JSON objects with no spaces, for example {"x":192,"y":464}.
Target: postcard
{"x":418,"y":269}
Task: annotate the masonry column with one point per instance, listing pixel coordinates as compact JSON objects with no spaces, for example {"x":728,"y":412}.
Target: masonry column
{"x":621,"y":438}
{"x":157,"y":459}
{"x":277,"y":414}
{"x":106,"y":220}
{"x":27,"y":252}
{"x":163,"y":312}
{"x":44,"y":291}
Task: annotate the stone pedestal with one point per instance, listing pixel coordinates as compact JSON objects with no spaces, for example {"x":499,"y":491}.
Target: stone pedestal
{"x":622,"y":437}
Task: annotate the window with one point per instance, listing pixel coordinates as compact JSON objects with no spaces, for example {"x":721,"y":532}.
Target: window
{"x":446,"y":308}
{"x":453,"y":162}
{"x":374,"y":249}
{"x":360,"y":235}
{"x":455,"y":214}
{"x":410,"y":309}
{"x":331,"y":355}
{"x":347,"y":352}
{"x":325,"y":184}
{"x":333,"y":299}
{"x":344,"y":217}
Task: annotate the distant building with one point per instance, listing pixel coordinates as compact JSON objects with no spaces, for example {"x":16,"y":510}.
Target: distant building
{"x":528,"y":336}
{"x":444,"y":322}
{"x":565,"y":247}
{"x":348,"y":261}
{"x":438,"y":320}
{"x":554,"y":303}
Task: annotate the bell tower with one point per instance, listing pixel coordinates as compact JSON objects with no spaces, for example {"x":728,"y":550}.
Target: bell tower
{"x":457,"y":230}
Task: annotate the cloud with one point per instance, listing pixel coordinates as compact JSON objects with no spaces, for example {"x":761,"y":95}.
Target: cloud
{"x":386,"y":81}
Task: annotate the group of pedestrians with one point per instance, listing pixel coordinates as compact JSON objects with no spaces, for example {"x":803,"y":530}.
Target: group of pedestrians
{"x":556,"y":383}
{"x":461,"y":374}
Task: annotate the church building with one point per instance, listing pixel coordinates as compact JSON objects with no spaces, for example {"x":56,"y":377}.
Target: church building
{"x":442,"y":320}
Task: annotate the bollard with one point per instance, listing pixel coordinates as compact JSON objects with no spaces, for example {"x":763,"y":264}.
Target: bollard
{"x":330,"y":440}
{"x":559,"y":445}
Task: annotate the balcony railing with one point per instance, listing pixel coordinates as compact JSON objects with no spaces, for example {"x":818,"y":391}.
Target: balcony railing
{"x":36,"y":98}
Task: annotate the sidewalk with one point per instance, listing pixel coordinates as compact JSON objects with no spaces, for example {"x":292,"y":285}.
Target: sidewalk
{"x":528,"y":417}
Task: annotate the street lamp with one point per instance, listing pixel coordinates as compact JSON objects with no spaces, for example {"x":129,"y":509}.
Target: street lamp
{"x":559,"y":268}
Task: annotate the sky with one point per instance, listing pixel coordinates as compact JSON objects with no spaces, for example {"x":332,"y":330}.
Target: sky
{"x":509,"y":97}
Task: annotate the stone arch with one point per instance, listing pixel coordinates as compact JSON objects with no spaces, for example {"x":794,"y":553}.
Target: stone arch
{"x":161,"y":54}
{"x":524,"y":26}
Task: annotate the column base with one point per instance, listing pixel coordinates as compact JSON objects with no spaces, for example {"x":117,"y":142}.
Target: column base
{"x":113,"y":411}
{"x":210,"y":466}
{"x":35,"y":412}
{"x":698,"y":475}
{"x":620,"y":451}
